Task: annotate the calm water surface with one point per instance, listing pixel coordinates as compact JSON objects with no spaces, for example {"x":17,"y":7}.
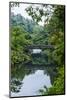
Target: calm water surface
{"x":28,"y":80}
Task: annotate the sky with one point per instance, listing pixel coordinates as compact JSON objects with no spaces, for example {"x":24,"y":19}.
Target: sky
{"x":21,"y":10}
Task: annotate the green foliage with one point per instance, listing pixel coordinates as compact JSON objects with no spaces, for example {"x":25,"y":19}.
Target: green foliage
{"x":57,"y":38}
{"x":25,"y":32}
{"x":26,"y":24}
{"x":54,"y":23}
{"x":18,"y":44}
{"x":58,"y":85}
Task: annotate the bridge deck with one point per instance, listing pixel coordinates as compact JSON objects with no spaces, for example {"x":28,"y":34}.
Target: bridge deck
{"x":40,"y":46}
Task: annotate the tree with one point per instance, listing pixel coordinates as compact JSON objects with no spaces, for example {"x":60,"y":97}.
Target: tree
{"x":54,"y":19}
{"x":18,"y":44}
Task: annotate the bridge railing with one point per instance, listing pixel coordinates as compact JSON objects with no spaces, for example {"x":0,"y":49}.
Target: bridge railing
{"x":40,"y":46}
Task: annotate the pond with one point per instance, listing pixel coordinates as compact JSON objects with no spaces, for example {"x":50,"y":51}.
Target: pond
{"x":28,"y":80}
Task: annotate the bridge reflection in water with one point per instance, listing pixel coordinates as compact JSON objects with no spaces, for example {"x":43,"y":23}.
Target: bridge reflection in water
{"x":38,"y":54}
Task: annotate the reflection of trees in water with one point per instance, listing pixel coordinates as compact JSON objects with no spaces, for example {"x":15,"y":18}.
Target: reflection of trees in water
{"x":17,"y":74}
{"x":15,"y":85}
{"x":19,"y":71}
{"x":52,"y":72}
{"x":45,"y":57}
{"x":39,"y":59}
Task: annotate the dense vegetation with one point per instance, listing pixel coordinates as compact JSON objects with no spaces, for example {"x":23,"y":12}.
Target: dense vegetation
{"x":25,"y":32}
{"x":55,"y":24}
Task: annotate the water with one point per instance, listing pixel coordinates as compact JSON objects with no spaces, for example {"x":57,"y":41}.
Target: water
{"x":35,"y":51}
{"x":28,"y":80}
